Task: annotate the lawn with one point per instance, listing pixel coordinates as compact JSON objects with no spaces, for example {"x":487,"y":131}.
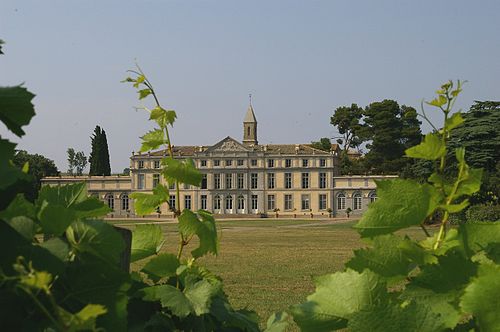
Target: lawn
{"x":268,"y":265}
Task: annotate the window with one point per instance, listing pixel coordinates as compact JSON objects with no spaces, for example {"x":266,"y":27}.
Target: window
{"x":322,"y":180}
{"x":187,"y":186}
{"x":270,"y":163}
{"x":255,"y":202}
{"x":216,"y":181}
{"x":140,"y":181}
{"x":241,"y":202}
{"x":111,"y":201}
{"x":304,"y":202}
{"x":140,"y":164}
{"x":288,"y":180}
{"x":171,"y":185}
{"x":372,"y":196}
{"x":156,"y":180}
{"x":240,"y":162}
{"x":322,"y":163}
{"x":171,"y":202}
{"x":270,"y":202}
{"x":341,"y":201}
{"x":229,"y":162}
{"x":254,"y":177}
{"x":187,"y":202}
{"x":203,"y":202}
{"x":217,"y":202}
{"x":216,"y":162}
{"x":270,"y":181}
{"x":305,"y":162}
{"x":288,"y":162}
{"x":229,"y":202}
{"x":356,"y":201}
{"x":305,"y":180}
{"x":204,"y":181}
{"x":229,"y":181}
{"x":253,"y":162}
{"x":203,"y":163}
{"x":288,"y":202}
{"x":157,"y":164}
{"x":125,"y":202}
{"x":322,"y":201}
{"x":240,"y":178}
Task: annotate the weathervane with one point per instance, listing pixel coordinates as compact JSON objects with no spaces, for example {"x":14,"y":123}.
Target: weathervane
{"x":250,"y":98}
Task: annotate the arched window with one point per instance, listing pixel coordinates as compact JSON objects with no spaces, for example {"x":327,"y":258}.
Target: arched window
{"x":125,"y":202}
{"x":340,"y":201}
{"x":229,"y":202}
{"x":111,"y":201}
{"x":373,"y":196}
{"x":241,"y":202}
{"x":356,"y":201}
{"x":217,"y":202}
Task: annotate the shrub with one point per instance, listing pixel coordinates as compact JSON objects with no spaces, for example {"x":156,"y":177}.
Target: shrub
{"x":483,"y":213}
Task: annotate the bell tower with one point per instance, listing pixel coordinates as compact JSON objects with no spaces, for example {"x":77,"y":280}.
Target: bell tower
{"x":250,"y":126}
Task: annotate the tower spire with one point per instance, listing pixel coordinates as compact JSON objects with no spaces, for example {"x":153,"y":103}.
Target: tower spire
{"x":250,"y":125}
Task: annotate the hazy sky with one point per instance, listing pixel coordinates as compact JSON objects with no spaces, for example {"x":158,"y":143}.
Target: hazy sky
{"x":299,"y":59}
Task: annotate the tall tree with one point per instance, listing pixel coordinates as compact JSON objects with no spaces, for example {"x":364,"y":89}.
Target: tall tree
{"x":324,"y":144}
{"x":391,"y":129}
{"x":39,"y":167}
{"x":76,"y":161}
{"x":99,"y":157}
{"x":347,"y":120}
{"x":480,"y":136}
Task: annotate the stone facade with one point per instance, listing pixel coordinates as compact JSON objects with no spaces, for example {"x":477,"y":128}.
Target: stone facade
{"x":244,"y":179}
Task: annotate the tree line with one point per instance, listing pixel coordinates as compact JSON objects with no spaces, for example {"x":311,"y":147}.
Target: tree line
{"x":387,"y":129}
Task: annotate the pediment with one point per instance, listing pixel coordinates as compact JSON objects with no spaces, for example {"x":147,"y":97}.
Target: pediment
{"x":228,"y":144}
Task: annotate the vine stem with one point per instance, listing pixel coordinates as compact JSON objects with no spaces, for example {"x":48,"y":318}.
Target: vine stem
{"x":177,"y":207}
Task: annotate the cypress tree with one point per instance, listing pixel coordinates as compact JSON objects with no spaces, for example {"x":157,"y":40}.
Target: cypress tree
{"x":105,"y":164}
{"x":99,"y":157}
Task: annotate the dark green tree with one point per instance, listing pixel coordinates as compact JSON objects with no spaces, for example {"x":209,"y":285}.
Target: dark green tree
{"x":99,"y":157}
{"x":324,"y":144}
{"x":391,"y":129}
{"x":480,"y":135}
{"x":39,"y":167}
{"x":347,"y":120}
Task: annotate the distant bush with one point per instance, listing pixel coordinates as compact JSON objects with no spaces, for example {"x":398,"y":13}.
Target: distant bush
{"x":483,"y":213}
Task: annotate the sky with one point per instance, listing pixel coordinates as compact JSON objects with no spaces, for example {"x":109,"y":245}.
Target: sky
{"x":300,"y":60}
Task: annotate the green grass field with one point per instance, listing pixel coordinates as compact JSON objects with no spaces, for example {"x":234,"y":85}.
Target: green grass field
{"x":268,"y":265}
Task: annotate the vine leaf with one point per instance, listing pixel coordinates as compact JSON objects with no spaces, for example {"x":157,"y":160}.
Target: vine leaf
{"x":278,"y":322}
{"x":144,"y":93}
{"x":401,"y":203}
{"x":201,"y":224}
{"x":16,"y":109}
{"x":196,"y":297}
{"x":385,"y":258}
{"x":147,"y":240}
{"x":481,"y":297}
{"x":183,"y":171}
{"x":96,"y":238}
{"x":148,"y":203}
{"x":393,"y":317}
{"x":431,"y":148}
{"x":161,"y":266}
{"x":85,"y":319}
{"x":152,"y":140}
{"x":162,"y":116}
{"x":337,"y":297}
{"x":454,"y":121}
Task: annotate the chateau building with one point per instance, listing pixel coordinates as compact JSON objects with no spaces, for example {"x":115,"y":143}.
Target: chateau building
{"x":243,"y":179}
